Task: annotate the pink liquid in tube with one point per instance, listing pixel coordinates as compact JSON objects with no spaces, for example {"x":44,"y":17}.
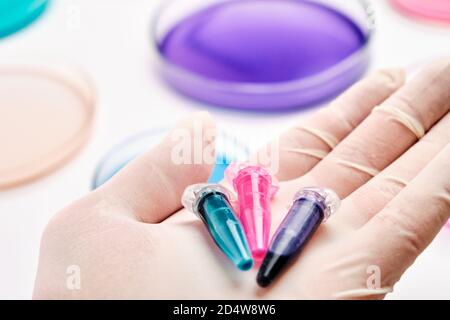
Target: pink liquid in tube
{"x":254,"y":187}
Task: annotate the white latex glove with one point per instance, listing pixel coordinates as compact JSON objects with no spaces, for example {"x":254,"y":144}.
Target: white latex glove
{"x":131,"y":240}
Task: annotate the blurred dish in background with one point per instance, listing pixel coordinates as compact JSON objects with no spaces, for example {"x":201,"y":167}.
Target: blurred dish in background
{"x":432,"y":10}
{"x":17,"y":14}
{"x":47,"y":112}
{"x":228,"y":149}
{"x":263,"y":54}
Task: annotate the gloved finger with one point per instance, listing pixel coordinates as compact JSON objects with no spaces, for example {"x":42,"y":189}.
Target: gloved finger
{"x":151,"y":186}
{"x":304,"y":145}
{"x":405,"y":227}
{"x":387,"y":133}
{"x":365,"y":202}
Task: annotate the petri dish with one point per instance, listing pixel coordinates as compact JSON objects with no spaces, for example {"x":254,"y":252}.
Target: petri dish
{"x":228,"y":150}
{"x":431,"y":10}
{"x":263,"y":54}
{"x":46,"y":116}
{"x":17,"y":14}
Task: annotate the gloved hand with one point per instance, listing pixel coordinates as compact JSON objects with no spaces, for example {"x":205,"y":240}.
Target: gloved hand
{"x":129,"y":238}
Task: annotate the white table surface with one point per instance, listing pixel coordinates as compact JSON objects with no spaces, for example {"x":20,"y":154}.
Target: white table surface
{"x":112,"y":42}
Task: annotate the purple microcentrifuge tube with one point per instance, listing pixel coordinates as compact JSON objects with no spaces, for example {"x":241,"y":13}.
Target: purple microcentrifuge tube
{"x":311,"y":207}
{"x":264,"y":54}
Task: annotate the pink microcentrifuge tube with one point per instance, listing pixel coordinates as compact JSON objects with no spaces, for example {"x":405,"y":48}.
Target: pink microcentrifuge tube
{"x":254,"y":187}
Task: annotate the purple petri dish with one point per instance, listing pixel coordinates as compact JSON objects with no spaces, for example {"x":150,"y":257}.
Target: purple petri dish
{"x":263,"y":54}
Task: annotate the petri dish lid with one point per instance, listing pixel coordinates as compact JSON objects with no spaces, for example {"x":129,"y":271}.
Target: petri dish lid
{"x":228,"y":149}
{"x":263,"y":54}
{"x":433,"y":10}
{"x":17,"y":14}
{"x":46,"y":115}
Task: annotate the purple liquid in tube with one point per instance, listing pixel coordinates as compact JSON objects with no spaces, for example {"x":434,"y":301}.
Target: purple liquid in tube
{"x":254,"y":54}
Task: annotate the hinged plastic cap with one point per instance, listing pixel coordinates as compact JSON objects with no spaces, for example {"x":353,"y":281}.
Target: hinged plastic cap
{"x":234,"y":169}
{"x":328,"y":198}
{"x":193,"y":194}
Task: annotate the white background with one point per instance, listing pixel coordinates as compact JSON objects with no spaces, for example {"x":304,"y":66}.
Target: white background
{"x":113,"y":43}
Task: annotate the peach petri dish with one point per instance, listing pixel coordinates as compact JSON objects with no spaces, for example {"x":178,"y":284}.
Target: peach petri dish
{"x":46,"y":116}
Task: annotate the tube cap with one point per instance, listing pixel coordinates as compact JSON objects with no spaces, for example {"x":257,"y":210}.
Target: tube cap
{"x":193,"y":194}
{"x":327,"y":197}
{"x":235,"y":169}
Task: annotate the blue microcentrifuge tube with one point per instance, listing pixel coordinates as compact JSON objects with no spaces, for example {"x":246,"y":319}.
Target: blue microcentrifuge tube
{"x":211,"y":203}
